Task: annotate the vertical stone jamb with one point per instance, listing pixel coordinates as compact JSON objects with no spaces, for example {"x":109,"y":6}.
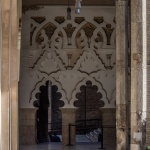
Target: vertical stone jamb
{"x":68,"y":117}
{"x":9,"y":86}
{"x":148,"y":76}
{"x":138,"y":74}
{"x":122,"y":74}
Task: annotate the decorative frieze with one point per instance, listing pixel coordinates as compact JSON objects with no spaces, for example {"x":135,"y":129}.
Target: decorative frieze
{"x":39,"y":19}
{"x":69,"y":31}
{"x":79,"y":19}
{"x":108,"y":31}
{"x":99,"y":20}
{"x":60,"y":19}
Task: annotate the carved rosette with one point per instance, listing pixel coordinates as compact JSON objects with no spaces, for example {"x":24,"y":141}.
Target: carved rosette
{"x":60,"y":19}
{"x":39,"y":19}
{"x":108,"y":31}
{"x":99,"y":20}
{"x":79,"y":19}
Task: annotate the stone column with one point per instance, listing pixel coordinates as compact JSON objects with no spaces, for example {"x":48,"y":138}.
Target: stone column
{"x":27,"y":126}
{"x":138,"y":74}
{"x":109,"y":124}
{"x":9,"y":82}
{"x":68,"y":117}
{"x":122,"y":96}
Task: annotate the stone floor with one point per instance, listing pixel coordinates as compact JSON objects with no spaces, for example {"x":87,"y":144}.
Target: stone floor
{"x":58,"y":146}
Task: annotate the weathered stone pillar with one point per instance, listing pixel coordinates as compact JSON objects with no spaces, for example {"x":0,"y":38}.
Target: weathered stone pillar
{"x":122,"y":96}
{"x":68,"y":117}
{"x":9,"y":82}
{"x":27,"y":126}
{"x":138,"y":74}
{"x":109,"y":124}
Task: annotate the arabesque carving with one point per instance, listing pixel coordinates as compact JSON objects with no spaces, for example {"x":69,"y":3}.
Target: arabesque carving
{"x":89,"y":29}
{"x":39,"y":19}
{"x":32,"y":29}
{"x":60,"y":19}
{"x":49,"y":29}
{"x":79,"y":19}
{"x":108,"y":31}
{"x":39,"y":38}
{"x":69,"y":31}
{"x":99,"y":20}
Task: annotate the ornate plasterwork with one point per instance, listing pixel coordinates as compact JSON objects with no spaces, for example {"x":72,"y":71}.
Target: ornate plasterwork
{"x":83,"y":82}
{"x":69,"y":31}
{"x":60,"y":19}
{"x":43,"y":82}
{"x":89,"y":63}
{"x":39,"y":19}
{"x":49,"y":29}
{"x":108,"y":31}
{"x":99,"y":20}
{"x":71,"y":50}
{"x":105,"y":78}
{"x":32,"y":29}
{"x":88,"y":29}
{"x":79,"y":19}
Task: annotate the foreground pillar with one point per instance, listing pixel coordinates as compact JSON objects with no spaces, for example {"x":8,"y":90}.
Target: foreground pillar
{"x":122,"y":96}
{"x":138,"y":74}
{"x":68,"y":117}
{"x":109,"y":125}
{"x":27,"y":126}
{"x":9,"y":80}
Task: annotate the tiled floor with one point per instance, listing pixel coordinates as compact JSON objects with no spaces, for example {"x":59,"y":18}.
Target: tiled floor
{"x":58,"y":146}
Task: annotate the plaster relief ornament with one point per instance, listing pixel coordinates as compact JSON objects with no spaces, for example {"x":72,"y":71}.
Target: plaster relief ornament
{"x":60,"y":19}
{"x":99,"y":20}
{"x":32,"y":29}
{"x":69,"y":31}
{"x":39,"y":19}
{"x":108,"y":56}
{"x":108,"y":31}
{"x":98,"y":40}
{"x":59,"y":41}
{"x":48,"y":30}
{"x":89,"y":29}
{"x":39,"y":38}
{"x":79,"y":19}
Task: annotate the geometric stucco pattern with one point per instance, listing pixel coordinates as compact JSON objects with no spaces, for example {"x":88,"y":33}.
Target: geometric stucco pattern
{"x":68,"y":52}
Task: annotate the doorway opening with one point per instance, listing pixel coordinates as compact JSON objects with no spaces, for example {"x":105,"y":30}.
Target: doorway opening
{"x":48,"y":116}
{"x":89,"y":119}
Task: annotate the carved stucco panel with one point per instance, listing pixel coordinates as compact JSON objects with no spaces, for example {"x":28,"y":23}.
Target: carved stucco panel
{"x":108,"y":80}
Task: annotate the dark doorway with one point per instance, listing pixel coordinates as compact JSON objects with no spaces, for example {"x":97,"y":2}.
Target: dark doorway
{"x":44,"y":105}
{"x":88,"y":101}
